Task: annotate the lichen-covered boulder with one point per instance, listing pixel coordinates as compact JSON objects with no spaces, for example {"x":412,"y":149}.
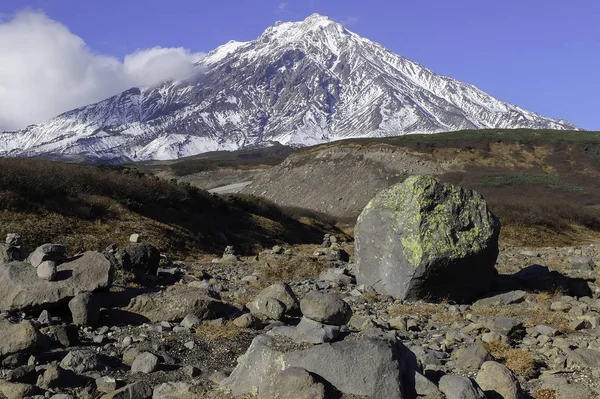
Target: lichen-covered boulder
{"x":424,"y":239}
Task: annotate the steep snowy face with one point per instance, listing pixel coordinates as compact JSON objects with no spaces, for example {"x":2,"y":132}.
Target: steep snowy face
{"x":299,"y":83}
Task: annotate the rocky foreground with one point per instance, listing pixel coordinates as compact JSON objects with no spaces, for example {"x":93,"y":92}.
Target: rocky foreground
{"x":296,"y":322}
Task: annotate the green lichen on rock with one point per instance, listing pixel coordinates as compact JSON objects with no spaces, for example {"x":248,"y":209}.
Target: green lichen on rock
{"x":427,"y":226}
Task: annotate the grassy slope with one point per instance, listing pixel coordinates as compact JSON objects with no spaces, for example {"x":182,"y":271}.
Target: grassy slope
{"x":89,"y":207}
{"x":543,"y":184}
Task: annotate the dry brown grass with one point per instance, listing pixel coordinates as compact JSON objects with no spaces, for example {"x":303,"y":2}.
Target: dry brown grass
{"x":519,"y":361}
{"x":301,"y":265}
{"x":212,"y":332}
{"x":545,"y":393}
{"x":427,"y":310}
{"x":529,"y":315}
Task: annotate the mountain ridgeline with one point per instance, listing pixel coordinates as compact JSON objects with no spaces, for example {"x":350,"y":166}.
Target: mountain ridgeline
{"x":300,"y":84}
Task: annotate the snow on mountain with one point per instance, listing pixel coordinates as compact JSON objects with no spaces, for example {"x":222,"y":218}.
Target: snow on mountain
{"x":299,"y":83}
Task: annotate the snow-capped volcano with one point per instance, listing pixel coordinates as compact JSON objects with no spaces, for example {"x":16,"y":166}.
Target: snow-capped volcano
{"x":299,"y":83}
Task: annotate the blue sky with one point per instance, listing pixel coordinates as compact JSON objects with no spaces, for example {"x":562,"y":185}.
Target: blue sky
{"x":541,"y":55}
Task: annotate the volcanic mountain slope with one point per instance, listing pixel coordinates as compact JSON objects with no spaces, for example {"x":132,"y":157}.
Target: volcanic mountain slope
{"x":299,"y":83}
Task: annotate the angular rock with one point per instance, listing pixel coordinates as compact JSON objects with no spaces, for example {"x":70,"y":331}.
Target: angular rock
{"x":283,"y":293}
{"x":472,"y":357}
{"x":325,"y":308}
{"x":17,"y":391}
{"x":584,"y":358}
{"x":84,"y":309}
{"x":507,"y":298}
{"x":247,"y":320}
{"x":145,"y":362}
{"x":175,"y":303}
{"x":81,"y":361}
{"x":496,"y":379}
{"x":21,"y":289}
{"x":267,"y":308}
{"x":294,"y":382}
{"x":190,"y":321}
{"x":308,"y":331}
{"x":423,"y":239}
{"x":145,"y":258}
{"x":137,"y":390}
{"x":174,"y":390}
{"x":387,"y":373}
{"x":459,"y":387}
{"x":106,"y":384}
{"x":21,"y":337}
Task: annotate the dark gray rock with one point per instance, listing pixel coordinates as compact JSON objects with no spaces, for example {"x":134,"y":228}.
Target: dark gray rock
{"x":423,"y":239}
{"x":53,"y":252}
{"x":459,"y":387}
{"x":325,"y":308}
{"x":144,"y":257}
{"x":21,"y":289}
{"x":388,"y":373}
{"x":308,"y":331}
{"x":506,"y":298}
{"x":85,"y":309}
{"x":81,"y":361}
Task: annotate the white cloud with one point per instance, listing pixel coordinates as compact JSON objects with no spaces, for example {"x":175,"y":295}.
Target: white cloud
{"x":45,"y":69}
{"x":282,"y":5}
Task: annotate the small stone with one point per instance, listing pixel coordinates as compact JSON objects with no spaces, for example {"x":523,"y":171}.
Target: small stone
{"x":247,"y":320}
{"x":191,"y":371}
{"x":190,"y":345}
{"x":546,"y":330}
{"x":191,"y":321}
{"x":498,"y":379}
{"x":81,"y":361}
{"x":146,"y":363}
{"x":217,"y":377}
{"x":325,"y":308}
{"x":84,"y":309}
{"x":459,"y":387}
{"x":45,"y":318}
{"x":47,"y":270}
{"x":135,"y":237}
{"x":472,"y":357}
{"x":137,"y":390}
{"x":106,"y":384}
{"x":267,"y":308}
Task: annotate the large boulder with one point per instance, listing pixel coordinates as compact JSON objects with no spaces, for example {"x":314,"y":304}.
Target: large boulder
{"x":424,"y":239}
{"x":22,"y":289}
{"x":372,"y":367}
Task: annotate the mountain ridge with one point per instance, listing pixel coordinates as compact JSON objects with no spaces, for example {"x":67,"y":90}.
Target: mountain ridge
{"x":299,"y":83}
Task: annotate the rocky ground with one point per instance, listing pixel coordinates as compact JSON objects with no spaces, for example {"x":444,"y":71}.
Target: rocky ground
{"x":173,"y":330}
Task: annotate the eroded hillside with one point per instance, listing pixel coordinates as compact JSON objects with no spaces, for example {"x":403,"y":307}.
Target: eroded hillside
{"x":544,"y":180}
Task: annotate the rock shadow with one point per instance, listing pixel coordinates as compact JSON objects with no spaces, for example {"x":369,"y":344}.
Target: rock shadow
{"x":539,"y":278}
